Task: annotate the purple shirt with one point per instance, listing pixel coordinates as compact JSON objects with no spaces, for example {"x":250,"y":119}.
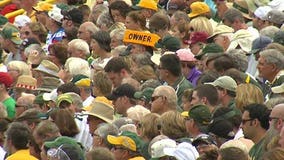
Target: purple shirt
{"x":193,"y":76}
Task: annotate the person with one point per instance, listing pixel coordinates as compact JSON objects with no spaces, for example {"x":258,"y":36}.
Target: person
{"x":123,"y":98}
{"x":10,"y":40}
{"x":198,"y":119}
{"x":255,"y":122}
{"x":101,"y":133}
{"x":205,"y":94}
{"x":232,"y":153}
{"x":163,"y":99}
{"x":117,"y":69}
{"x":274,"y":154}
{"x":170,"y":72}
{"x":126,"y":146}
{"x":78,"y":48}
{"x":86,"y":30}
{"x":18,"y":137}
{"x":276,"y":117}
{"x":226,"y":87}
{"x":6,"y":81}
{"x":270,"y":67}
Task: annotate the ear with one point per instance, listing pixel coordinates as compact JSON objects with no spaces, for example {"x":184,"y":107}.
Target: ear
{"x":204,"y":100}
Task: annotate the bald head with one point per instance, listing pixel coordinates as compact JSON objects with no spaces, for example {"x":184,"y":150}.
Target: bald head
{"x":167,"y":92}
{"x":86,"y":30}
{"x":277,"y":117}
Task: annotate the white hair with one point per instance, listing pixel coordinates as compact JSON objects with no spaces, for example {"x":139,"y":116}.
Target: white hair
{"x":77,"y":66}
{"x":80,"y":45}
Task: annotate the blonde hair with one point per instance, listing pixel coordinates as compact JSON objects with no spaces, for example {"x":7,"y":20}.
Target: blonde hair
{"x":201,"y":24}
{"x":149,"y":126}
{"x":22,"y":67}
{"x":173,"y":125}
{"x":247,"y":94}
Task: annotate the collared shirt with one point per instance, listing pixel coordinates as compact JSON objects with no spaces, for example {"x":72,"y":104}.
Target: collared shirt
{"x":257,"y":150}
{"x":193,"y":76}
{"x":55,"y":37}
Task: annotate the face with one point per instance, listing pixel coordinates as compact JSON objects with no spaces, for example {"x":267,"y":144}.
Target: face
{"x":264,"y":68}
{"x":116,"y":78}
{"x":114,"y":42}
{"x":162,"y":72}
{"x":176,"y":33}
{"x":93,"y":123}
{"x":221,"y":7}
{"x":119,"y":152}
{"x":117,"y":17}
{"x":281,"y":140}
{"x":130,"y":24}
{"x":276,"y":119}
{"x":95,"y":46}
{"x":41,"y":17}
{"x":219,"y":39}
{"x":14,"y":73}
{"x":195,"y":99}
{"x":74,"y":52}
{"x":185,"y":103}
{"x":119,"y":106}
{"x":25,"y":32}
{"x":195,"y":48}
{"x":189,"y":124}
{"x":83,"y":33}
{"x":156,"y":103}
{"x":246,"y":125}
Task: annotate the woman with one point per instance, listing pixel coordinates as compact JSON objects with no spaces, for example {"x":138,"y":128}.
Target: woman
{"x":135,"y":21}
{"x":181,"y":31}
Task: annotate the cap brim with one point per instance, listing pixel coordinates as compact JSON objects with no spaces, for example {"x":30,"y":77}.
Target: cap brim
{"x":114,"y":140}
{"x":138,"y":95}
{"x":254,"y":51}
{"x":199,"y":56}
{"x":169,"y":151}
{"x":111,"y":97}
{"x":158,"y":45}
{"x":98,"y":116}
{"x":277,"y":89}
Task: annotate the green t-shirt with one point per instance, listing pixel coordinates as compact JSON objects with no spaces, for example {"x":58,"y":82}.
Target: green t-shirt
{"x":10,"y":103}
{"x":257,"y":150}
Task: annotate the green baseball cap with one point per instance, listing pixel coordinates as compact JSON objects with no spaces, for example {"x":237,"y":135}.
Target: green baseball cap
{"x":63,"y":97}
{"x":200,"y":114}
{"x":11,"y":32}
{"x":146,"y":94}
{"x":169,"y":42}
{"x":209,"y":48}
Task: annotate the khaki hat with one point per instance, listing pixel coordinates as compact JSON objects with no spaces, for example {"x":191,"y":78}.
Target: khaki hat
{"x":221,"y":29}
{"x":102,"y":111}
{"x":27,"y":82}
{"x":48,"y":67}
{"x":242,"y":38}
{"x":49,"y":84}
{"x":242,"y":6}
{"x":225,"y":82}
{"x":278,"y":89}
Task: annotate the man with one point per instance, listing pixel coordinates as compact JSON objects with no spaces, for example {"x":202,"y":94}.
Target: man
{"x":126,"y":146}
{"x":117,"y":69}
{"x":198,"y":119}
{"x":205,"y":94}
{"x":72,"y":18}
{"x":276,"y":117}
{"x":86,"y":30}
{"x":5,"y":83}
{"x":226,"y":88}
{"x":10,"y":40}
{"x":78,"y":48}
{"x":170,"y":72}
{"x":18,"y":137}
{"x":260,"y":19}
{"x":123,"y":98}
{"x":255,"y":122}
{"x":163,"y":99}
{"x":271,"y":68}
{"x":222,"y":35}
{"x":54,"y":26}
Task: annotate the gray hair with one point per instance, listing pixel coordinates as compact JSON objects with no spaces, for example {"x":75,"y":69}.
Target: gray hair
{"x":80,"y":45}
{"x":77,"y":66}
{"x":105,"y":20}
{"x":76,"y":99}
{"x":240,"y":59}
{"x":118,"y":33}
{"x":269,"y":31}
{"x":273,"y":56}
{"x":33,"y":47}
{"x":142,"y":59}
{"x":168,"y":92}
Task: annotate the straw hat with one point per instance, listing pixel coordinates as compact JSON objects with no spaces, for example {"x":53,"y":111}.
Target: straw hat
{"x":27,"y":82}
{"x":102,"y":111}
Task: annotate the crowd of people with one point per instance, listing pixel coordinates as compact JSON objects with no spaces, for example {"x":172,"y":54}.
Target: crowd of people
{"x":142,"y":80}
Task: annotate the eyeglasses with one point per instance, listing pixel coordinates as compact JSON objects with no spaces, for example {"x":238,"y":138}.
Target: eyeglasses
{"x":160,"y":67}
{"x":118,"y":148}
{"x":246,"y":120}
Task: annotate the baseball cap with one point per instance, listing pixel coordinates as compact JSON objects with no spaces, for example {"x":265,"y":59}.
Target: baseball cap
{"x":63,"y":97}
{"x":148,"y":4}
{"x":157,"y":148}
{"x":196,"y":37}
{"x":127,"y":139}
{"x":145,"y":94}
{"x":183,"y":151}
{"x":81,"y":80}
{"x":275,"y":16}
{"x":242,"y":6}
{"x":43,"y":7}
{"x":11,"y":32}
{"x":55,"y":14}
{"x":198,"y":8}
{"x":6,"y":79}
{"x":225,"y":82}
{"x":261,"y":12}
{"x":278,"y":89}
{"x":203,"y":139}
{"x":209,"y":48}
{"x":168,"y":42}
{"x":74,"y":14}
{"x":185,"y":55}
{"x":122,"y":90}
{"x":201,"y":114}
{"x":21,"y":20}
{"x":222,"y":128}
{"x":279,"y":37}
{"x":260,"y":43}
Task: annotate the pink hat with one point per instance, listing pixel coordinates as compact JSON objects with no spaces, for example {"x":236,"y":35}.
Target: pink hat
{"x":185,"y":55}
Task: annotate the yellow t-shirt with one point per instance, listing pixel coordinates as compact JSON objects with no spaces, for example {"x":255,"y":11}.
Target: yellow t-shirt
{"x":23,"y":154}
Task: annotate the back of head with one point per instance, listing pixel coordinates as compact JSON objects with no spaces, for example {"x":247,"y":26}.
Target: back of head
{"x":233,"y":153}
{"x":116,"y":64}
{"x":100,"y":153}
{"x":209,"y":92}
{"x":169,"y":93}
{"x":19,"y":135}
{"x":171,"y":63}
